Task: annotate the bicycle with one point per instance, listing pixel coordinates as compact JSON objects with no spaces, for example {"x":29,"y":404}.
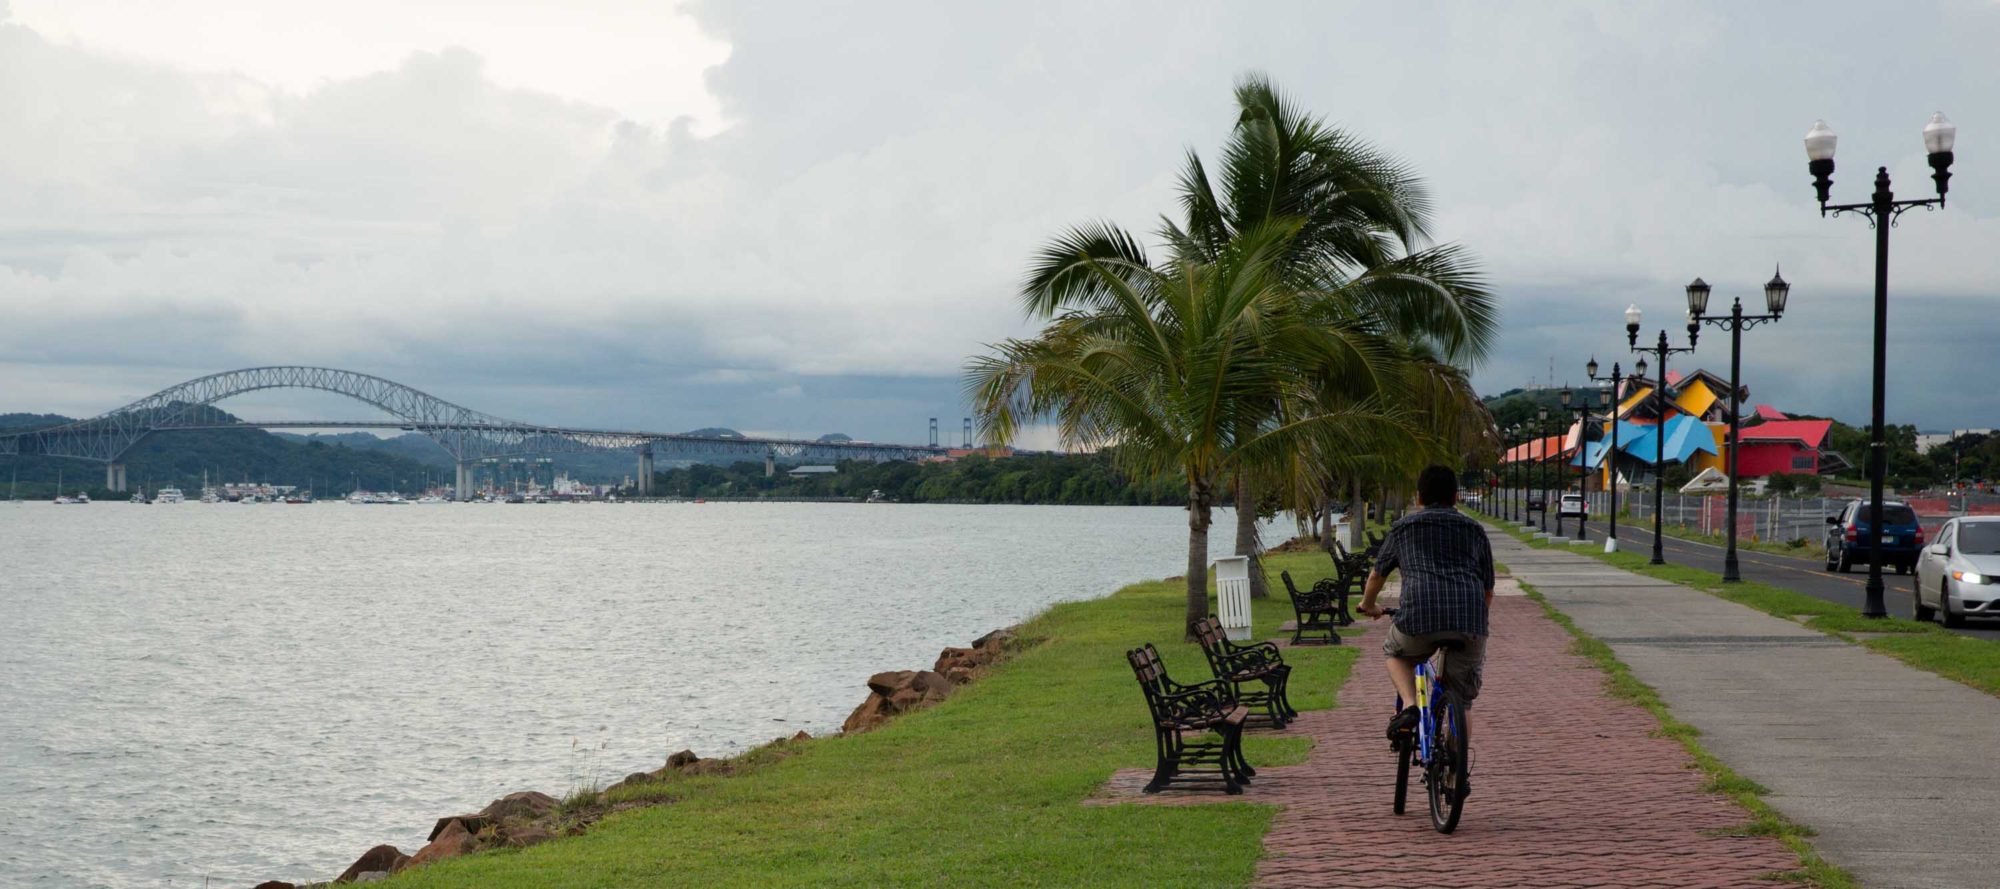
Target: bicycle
{"x":1442,"y":744}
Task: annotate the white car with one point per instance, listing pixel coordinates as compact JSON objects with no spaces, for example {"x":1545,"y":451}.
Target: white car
{"x":1573,"y":505}
{"x":1958,"y":575}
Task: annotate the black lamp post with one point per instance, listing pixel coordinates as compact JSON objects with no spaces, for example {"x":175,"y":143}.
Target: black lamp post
{"x":1609,"y":398}
{"x":1557,"y":468}
{"x":1881,"y":212}
{"x":1521,"y":469}
{"x":1775,"y":293}
{"x":1660,"y":396}
{"x":1583,"y":409}
{"x":1542,"y":461}
{"x":1512,"y":510}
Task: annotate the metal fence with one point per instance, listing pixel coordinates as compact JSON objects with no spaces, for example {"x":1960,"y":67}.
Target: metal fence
{"x":1776,"y":518}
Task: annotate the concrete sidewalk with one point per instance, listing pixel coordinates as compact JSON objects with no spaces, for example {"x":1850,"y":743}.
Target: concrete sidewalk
{"x":1890,"y":764}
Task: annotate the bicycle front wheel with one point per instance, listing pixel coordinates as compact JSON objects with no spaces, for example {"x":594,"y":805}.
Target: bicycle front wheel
{"x":1450,"y":769}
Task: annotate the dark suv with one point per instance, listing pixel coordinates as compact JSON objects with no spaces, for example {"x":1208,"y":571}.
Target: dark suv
{"x":1847,"y":537}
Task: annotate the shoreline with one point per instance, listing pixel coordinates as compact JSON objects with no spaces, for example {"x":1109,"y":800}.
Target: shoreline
{"x":995,"y":770}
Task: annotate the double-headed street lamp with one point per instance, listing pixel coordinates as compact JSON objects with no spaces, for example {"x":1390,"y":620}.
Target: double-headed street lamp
{"x":1660,"y":395}
{"x":1881,"y":211}
{"x":1775,"y":293}
{"x":1611,"y":399}
{"x":1582,"y":410}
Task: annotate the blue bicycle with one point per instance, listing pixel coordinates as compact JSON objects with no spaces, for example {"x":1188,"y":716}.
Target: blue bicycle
{"x":1441,"y":745}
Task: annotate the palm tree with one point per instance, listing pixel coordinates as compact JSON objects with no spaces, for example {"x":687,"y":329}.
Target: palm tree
{"x":1363,"y":221}
{"x":1179,"y":366}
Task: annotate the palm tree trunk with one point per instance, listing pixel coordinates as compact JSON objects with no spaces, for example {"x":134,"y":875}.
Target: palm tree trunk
{"x":1246,"y":537}
{"x":1197,"y":564}
{"x":1357,"y":519}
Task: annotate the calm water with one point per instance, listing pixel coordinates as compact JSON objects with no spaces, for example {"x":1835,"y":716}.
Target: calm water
{"x":254,"y":692}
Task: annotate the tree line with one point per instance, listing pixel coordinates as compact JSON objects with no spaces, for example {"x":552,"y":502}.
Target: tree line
{"x":1073,"y":479}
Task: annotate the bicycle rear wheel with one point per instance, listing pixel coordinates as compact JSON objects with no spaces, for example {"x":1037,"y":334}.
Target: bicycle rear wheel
{"x":1450,"y":768}
{"x":1402,"y":777}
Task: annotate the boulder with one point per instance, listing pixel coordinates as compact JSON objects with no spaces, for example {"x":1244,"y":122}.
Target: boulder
{"x":373,"y":876}
{"x":994,"y":641}
{"x":904,"y":700}
{"x":454,"y":840}
{"x":525,"y":835}
{"x":930,"y":685}
{"x":383,"y":857}
{"x":681,"y":759}
{"x":473,"y":823}
{"x":275,"y":884}
{"x":523,"y":804}
{"x":871,"y":713}
{"x":803,"y":735}
{"x":888,"y":682}
{"x":709,"y":767}
{"x":950,"y":656}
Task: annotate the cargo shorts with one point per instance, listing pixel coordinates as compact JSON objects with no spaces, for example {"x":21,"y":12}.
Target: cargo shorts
{"x":1463,"y":668}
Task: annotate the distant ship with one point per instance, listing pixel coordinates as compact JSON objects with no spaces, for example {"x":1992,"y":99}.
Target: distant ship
{"x":169,"y":495}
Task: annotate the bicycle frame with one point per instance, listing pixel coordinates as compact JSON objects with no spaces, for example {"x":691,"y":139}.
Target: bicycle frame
{"x":1428,"y":689}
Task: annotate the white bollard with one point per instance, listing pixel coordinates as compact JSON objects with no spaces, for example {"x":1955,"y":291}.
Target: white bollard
{"x":1232,"y":596}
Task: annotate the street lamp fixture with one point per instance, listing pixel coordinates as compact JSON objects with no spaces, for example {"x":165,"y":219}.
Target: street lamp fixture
{"x":1659,"y":398}
{"x":1881,"y":210}
{"x":1775,"y":293}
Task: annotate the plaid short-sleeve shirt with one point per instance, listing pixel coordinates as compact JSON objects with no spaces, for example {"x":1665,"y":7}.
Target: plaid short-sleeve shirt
{"x":1447,"y":568}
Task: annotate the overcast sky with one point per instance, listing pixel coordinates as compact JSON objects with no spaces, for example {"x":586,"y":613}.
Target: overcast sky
{"x":796,"y":218}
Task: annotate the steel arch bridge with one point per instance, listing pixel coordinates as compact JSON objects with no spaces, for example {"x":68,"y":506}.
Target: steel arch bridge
{"x":469,"y":436}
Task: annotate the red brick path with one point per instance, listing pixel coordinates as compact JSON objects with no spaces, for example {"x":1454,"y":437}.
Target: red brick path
{"x":1569,"y":788}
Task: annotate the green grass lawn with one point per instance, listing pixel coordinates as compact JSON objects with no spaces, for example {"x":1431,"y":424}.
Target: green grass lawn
{"x":982,"y":790}
{"x":1926,"y":646}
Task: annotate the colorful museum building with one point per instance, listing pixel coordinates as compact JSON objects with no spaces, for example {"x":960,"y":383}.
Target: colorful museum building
{"x":1695,"y":430}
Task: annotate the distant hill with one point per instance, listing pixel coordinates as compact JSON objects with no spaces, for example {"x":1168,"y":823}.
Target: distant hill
{"x":179,"y":459}
{"x":716,"y":432}
{"x":31,"y":421}
{"x":835,"y":438}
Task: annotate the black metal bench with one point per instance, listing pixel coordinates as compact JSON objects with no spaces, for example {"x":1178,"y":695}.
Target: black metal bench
{"x":1180,"y":711}
{"x":1353,"y":568}
{"x":1318,"y":610}
{"x":1239,"y":665}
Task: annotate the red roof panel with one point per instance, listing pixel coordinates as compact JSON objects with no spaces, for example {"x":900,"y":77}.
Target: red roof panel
{"x":1807,"y":432}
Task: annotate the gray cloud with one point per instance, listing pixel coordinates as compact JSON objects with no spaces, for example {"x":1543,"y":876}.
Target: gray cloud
{"x":828,"y":260}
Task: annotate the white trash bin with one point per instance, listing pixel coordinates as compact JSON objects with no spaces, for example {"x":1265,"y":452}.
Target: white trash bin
{"x":1232,"y":596}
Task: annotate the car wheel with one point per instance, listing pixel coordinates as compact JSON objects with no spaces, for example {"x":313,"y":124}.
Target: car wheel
{"x":1950,"y":620}
{"x":1842,"y":562}
{"x":1829,"y":559}
{"x":1902,"y":567}
{"x":1918,"y":609}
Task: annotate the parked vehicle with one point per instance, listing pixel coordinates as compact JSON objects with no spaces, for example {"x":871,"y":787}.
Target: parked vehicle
{"x":1959,"y":575}
{"x":1848,"y":535}
{"x":1573,"y":505}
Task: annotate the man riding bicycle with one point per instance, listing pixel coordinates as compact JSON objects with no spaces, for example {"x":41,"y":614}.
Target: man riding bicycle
{"x":1447,"y":567}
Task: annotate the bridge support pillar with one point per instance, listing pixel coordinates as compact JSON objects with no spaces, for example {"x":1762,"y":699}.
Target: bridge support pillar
{"x":645,"y":470}
{"x":770,"y":464}
{"x":114,"y":476}
{"x":462,"y":490}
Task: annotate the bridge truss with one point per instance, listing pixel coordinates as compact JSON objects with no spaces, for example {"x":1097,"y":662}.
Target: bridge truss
{"x":469,"y":436}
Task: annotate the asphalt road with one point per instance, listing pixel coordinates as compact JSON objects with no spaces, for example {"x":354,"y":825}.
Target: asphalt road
{"x":1807,"y":575}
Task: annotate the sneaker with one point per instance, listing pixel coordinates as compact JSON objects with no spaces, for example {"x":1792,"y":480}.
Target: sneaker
{"x":1403,"y":725}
